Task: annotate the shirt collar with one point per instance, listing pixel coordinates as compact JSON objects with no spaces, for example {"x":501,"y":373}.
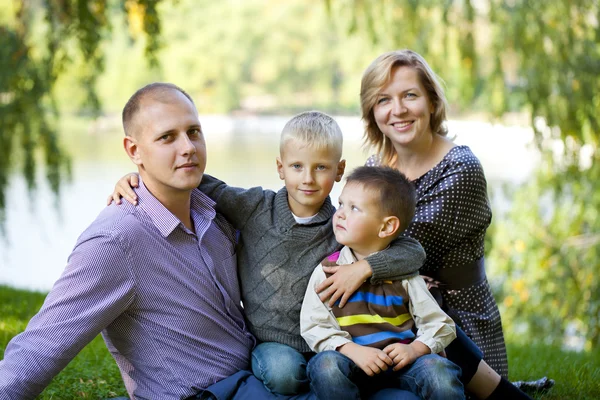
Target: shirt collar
{"x":165,"y":221}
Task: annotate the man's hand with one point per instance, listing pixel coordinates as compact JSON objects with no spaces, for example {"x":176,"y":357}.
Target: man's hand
{"x":371,"y":360}
{"x":344,"y":281}
{"x":405,"y":354}
{"x":123,"y":188}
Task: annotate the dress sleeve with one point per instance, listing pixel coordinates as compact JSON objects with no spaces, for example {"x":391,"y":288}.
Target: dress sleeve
{"x":318,"y":325}
{"x":452,"y":215}
{"x":95,"y":288}
{"x":236,"y":204}
{"x":403,"y":258}
{"x":435,"y":328}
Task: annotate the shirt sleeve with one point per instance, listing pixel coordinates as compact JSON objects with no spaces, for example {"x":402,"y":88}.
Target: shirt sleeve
{"x":401,"y":259}
{"x":435,"y":329}
{"x":95,"y":288}
{"x":236,"y":204}
{"x":318,"y":325}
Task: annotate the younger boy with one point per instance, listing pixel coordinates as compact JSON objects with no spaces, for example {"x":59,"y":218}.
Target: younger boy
{"x":374,"y":329}
{"x":283,"y":235}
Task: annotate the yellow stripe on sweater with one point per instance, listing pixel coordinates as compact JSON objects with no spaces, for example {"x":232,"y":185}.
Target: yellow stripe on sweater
{"x":372,"y":319}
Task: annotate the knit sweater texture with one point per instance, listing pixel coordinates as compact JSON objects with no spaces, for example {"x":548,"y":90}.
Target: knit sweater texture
{"x":276,"y":257}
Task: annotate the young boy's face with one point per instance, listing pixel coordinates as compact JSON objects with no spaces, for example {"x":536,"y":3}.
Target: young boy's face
{"x":309,"y":174}
{"x":358,"y":220}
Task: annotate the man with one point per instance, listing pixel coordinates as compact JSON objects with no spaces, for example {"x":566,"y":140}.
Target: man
{"x":157,"y":279}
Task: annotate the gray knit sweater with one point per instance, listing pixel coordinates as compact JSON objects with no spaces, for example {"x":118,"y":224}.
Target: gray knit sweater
{"x":276,"y":257}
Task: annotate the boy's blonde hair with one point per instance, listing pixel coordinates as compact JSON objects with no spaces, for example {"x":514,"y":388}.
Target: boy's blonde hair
{"x":314,"y":128}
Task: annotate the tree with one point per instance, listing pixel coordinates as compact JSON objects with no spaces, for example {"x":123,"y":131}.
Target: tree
{"x":39,"y":41}
{"x":544,"y":58}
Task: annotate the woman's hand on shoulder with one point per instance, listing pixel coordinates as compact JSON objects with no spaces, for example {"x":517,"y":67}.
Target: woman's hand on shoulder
{"x":123,"y":189}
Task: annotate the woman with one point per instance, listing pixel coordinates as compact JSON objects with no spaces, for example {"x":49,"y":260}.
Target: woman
{"x":404,"y":110}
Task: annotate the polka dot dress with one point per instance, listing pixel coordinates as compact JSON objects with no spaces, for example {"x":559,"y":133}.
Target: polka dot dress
{"x":450,"y":221}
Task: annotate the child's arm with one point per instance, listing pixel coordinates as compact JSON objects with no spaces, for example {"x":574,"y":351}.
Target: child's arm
{"x":435,"y":329}
{"x":322,"y":332}
{"x":236,"y":204}
{"x":400,"y":260}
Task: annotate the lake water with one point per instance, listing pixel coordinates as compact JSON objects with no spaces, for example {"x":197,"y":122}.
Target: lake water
{"x":241,"y":151}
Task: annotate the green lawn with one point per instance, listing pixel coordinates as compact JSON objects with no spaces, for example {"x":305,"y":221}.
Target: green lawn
{"x":94,"y":375}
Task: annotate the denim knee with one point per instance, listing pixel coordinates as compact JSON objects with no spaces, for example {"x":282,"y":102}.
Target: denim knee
{"x":438,"y":378}
{"x":333,"y":375}
{"x":281,"y":368}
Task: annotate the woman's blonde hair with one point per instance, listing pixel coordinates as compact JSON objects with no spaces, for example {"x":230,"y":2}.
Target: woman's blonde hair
{"x":377,"y":76}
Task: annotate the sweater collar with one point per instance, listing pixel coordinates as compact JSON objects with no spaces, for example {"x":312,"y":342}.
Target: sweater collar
{"x":284,"y":214}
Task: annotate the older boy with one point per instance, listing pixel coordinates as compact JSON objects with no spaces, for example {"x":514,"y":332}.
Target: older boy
{"x":374,"y":330}
{"x":283,"y":236}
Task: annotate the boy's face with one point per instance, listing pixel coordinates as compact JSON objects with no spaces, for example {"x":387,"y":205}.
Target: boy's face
{"x":309,"y":175}
{"x":358,"y":221}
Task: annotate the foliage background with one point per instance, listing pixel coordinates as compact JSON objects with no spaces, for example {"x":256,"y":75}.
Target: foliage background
{"x":498,"y":59}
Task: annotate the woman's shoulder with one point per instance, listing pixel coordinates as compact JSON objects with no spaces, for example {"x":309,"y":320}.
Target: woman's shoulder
{"x":460,"y":157}
{"x":374,"y":161}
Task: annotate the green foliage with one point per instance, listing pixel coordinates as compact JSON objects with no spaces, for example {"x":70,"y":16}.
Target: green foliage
{"x":40,"y":42}
{"x":552,"y":269}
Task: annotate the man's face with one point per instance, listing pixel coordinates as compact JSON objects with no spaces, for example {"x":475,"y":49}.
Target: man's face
{"x":309,"y":175}
{"x":168,"y":145}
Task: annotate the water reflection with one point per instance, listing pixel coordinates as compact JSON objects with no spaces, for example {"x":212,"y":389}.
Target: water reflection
{"x":241,"y":151}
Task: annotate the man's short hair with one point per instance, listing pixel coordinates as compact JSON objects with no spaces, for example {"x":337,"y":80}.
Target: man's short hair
{"x":396,"y":195}
{"x":156,"y":91}
{"x":315,"y":128}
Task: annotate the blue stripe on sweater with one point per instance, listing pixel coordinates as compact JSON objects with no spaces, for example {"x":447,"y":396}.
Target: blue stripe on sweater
{"x":378,"y":337}
{"x":372,"y":298}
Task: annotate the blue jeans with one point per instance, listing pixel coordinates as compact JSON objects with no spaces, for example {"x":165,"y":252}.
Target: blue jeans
{"x":281,"y":368}
{"x":333,"y":375}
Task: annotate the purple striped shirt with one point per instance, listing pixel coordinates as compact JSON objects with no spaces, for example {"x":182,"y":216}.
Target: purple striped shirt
{"x":166,"y":300}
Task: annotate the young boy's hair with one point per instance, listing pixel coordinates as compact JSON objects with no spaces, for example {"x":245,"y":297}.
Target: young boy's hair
{"x":315,"y":128}
{"x":397,"y":195}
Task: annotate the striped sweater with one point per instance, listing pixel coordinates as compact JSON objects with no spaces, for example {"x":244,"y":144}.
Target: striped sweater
{"x":375,"y":315}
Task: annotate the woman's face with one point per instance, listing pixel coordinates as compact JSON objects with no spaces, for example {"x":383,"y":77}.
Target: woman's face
{"x":402,"y":109}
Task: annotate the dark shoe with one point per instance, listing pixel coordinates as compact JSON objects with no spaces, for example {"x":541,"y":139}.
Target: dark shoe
{"x":541,"y":385}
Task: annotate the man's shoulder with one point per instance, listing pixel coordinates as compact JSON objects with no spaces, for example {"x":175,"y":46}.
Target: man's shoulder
{"x":113,"y":221}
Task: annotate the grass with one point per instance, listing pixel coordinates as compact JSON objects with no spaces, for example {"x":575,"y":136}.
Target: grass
{"x":93,"y":374}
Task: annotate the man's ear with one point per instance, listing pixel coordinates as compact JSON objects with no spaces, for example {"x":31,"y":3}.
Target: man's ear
{"x":389,"y":226}
{"x":341,"y":167}
{"x":280,"y":170}
{"x":132,"y":150}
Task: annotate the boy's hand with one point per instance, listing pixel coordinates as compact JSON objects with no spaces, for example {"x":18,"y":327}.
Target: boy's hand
{"x":123,"y":188}
{"x":405,"y":354}
{"x":343,"y":282}
{"x":371,"y":360}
